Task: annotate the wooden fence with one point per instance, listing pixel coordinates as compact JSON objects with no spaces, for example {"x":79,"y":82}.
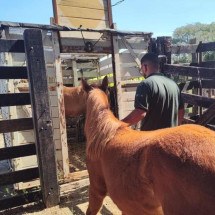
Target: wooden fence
{"x":198,"y":84}
{"x":41,"y":123}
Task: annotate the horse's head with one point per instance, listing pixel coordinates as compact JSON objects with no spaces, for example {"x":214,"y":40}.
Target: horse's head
{"x":104,"y":86}
{"x":75,"y":97}
{"x":99,"y":90}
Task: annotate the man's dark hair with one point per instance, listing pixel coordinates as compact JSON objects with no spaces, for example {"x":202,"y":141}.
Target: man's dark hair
{"x":151,"y":58}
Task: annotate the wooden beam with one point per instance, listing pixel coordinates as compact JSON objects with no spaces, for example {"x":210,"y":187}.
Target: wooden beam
{"x":65,"y":28}
{"x":197,"y":72}
{"x":16,"y":125}
{"x":19,"y":176}
{"x":205,"y":47}
{"x":76,"y":176}
{"x":197,"y":100}
{"x":206,"y":84}
{"x":193,"y":48}
{"x":75,"y":73}
{"x":207,"y":64}
{"x":12,"y":46}
{"x":17,"y":151}
{"x":182,"y":49}
{"x":80,"y":49}
{"x":13,"y":72}
{"x":132,"y":53}
{"x":83,"y":3}
{"x":41,"y":116}
{"x":14,"y":99}
{"x":207,"y":116}
{"x":19,"y":200}
{"x":117,"y":77}
{"x":63,"y":168}
{"x":188,"y":121}
{"x":69,"y":188}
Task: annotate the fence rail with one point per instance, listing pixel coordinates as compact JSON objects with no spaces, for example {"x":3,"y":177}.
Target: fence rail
{"x":13,"y":72}
{"x":41,"y":123}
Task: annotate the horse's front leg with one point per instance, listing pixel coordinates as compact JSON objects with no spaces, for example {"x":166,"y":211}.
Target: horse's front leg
{"x":96,"y":198}
{"x":97,"y":188}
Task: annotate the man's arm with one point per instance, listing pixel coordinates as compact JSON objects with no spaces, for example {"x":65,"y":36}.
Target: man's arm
{"x":135,"y":116}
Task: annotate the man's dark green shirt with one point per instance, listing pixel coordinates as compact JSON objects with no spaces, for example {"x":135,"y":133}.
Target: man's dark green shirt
{"x":161,"y":98}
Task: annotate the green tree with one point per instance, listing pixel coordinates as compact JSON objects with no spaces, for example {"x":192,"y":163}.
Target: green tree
{"x":199,"y":31}
{"x":202,"y":32}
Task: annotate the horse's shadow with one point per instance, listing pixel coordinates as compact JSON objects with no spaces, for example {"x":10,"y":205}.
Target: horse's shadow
{"x":77,"y":202}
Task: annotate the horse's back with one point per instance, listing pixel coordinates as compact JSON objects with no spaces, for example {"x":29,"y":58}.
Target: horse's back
{"x":175,"y":165}
{"x":183,"y":170}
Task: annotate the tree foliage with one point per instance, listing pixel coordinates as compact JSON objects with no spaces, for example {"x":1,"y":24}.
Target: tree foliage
{"x":198,"y":31}
{"x":202,"y":32}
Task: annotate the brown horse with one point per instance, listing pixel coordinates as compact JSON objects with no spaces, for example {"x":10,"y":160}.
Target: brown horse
{"x":75,"y":98}
{"x":168,"y":171}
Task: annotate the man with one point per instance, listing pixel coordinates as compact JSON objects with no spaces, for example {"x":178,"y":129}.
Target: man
{"x":158,"y":100}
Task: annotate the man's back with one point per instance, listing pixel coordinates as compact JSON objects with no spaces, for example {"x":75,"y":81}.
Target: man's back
{"x":160,"y":96}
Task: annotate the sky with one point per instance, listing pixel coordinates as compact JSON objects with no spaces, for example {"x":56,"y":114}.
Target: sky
{"x":156,"y":16}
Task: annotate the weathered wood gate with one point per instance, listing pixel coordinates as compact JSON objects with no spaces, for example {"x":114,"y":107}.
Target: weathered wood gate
{"x":40,"y":122}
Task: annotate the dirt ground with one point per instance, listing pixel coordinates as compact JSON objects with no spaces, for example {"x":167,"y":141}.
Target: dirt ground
{"x":70,"y":207}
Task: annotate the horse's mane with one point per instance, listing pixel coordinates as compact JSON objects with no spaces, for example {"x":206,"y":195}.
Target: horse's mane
{"x":101,"y":125}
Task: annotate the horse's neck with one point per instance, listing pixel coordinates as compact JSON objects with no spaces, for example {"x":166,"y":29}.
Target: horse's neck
{"x":100,"y":126}
{"x":74,"y":100}
{"x":71,"y":91}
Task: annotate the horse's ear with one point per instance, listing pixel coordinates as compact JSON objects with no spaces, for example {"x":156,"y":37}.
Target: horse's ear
{"x":85,"y":85}
{"x":104,"y":85}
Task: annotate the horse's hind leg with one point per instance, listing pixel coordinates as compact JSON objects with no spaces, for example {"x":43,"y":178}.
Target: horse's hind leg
{"x":95,"y":200}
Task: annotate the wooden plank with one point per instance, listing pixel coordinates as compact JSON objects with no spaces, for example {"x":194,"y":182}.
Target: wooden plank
{"x":212,"y":127}
{"x":19,"y":176}
{"x":136,"y":43}
{"x":76,"y":176}
{"x":84,"y":13}
{"x":17,"y":151}
{"x":197,"y":100}
{"x":188,"y":121}
{"x":207,"y":116}
{"x":107,"y":61}
{"x":117,"y":76}
{"x":128,"y":96}
{"x":182,"y":49}
{"x":42,"y":116}
{"x":85,"y":23}
{"x":125,"y":57}
{"x":128,"y":85}
{"x":83,"y":3}
{"x":207,"y":64}
{"x":205,"y":84}
{"x":16,"y":46}
{"x":63,"y":167}
{"x":205,"y":47}
{"x":14,"y":99}
{"x":130,"y":49}
{"x":63,"y":28}
{"x":193,"y":48}
{"x":75,"y":73}
{"x":68,"y":188}
{"x":198,"y":72}
{"x":22,"y":199}
{"x":80,"y":49}
{"x":16,"y":125}
{"x":9,"y":72}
